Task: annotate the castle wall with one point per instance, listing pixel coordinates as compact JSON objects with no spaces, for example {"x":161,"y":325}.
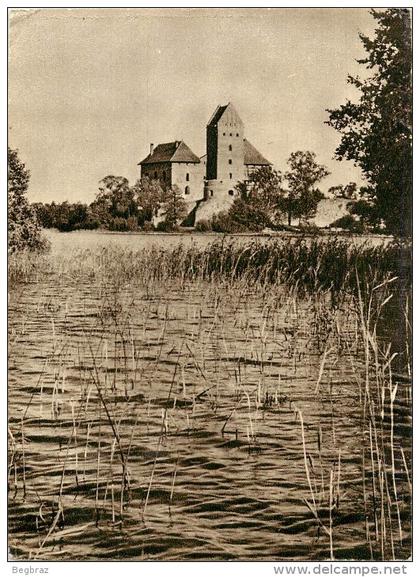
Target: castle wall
{"x":191,"y":175}
{"x":219,"y":189}
{"x":161,"y":171}
{"x":180,"y":174}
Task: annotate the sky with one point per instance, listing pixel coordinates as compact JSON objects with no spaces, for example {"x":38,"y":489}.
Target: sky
{"x":90,"y":89}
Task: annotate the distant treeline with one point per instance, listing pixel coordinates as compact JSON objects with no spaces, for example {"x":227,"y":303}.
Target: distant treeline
{"x":118,"y":207}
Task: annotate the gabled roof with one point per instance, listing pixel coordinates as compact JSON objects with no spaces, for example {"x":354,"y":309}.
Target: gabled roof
{"x":176,"y":151}
{"x":252,"y":156}
{"x":220,"y":111}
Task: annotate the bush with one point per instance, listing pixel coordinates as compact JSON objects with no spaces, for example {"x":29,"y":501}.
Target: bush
{"x":348,"y":222}
{"x":148,"y":226}
{"x":309,"y":228}
{"x":223,"y":222}
{"x":167,"y":226}
{"x":132,"y":224}
{"x":203,"y":226}
{"x":119,"y":224}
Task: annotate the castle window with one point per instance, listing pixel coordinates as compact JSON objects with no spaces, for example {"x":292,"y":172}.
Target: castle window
{"x":237,"y":134}
{"x":224,"y":134}
{"x":230,"y":134}
{"x":231,"y":193}
{"x":211,"y":193}
{"x":187,"y":190}
{"x":187,"y":176}
{"x":230,"y":175}
{"x":230,"y":161}
{"x":230,"y":147}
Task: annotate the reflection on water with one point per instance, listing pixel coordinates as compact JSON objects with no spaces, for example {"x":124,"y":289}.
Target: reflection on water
{"x":165,"y":424}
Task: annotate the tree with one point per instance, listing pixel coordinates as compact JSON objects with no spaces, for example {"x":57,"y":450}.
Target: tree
{"x":174,"y":210}
{"x":148,"y":195}
{"x":257,"y":204}
{"x":303,"y":196}
{"x":115,"y":202}
{"x":265,"y":193}
{"x":24,"y":231}
{"x":367,"y":213}
{"x":376,"y":131}
{"x":115,"y":192}
{"x":245,"y":214}
{"x":348,"y":191}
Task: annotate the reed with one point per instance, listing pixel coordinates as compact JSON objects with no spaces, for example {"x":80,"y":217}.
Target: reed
{"x":308,"y":265}
{"x":121,"y":382}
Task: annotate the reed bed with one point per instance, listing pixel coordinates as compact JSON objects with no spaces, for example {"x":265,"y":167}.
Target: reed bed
{"x":309,"y":264}
{"x":130,"y":383}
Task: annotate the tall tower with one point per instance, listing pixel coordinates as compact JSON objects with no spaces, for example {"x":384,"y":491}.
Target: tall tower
{"x":225,"y":152}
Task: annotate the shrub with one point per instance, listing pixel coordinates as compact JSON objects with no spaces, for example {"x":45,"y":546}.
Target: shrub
{"x":348,"y":222}
{"x":148,"y":226}
{"x":223,"y":222}
{"x":167,"y":226}
{"x":119,"y":224}
{"x":132,"y":224}
{"x":309,"y":228}
{"x":203,"y":226}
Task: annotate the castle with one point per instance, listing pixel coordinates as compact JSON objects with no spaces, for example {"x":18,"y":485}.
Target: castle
{"x":207,"y":183}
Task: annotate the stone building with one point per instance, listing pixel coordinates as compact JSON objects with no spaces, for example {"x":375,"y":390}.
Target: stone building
{"x":175,"y":164}
{"x":207,"y":183}
{"x":230,"y":157}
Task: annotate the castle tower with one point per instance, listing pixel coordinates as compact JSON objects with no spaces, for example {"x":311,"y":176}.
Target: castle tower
{"x":225,"y":152}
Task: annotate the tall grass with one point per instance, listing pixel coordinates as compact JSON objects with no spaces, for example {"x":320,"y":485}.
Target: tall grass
{"x":308,"y":264}
{"x":339,"y":293}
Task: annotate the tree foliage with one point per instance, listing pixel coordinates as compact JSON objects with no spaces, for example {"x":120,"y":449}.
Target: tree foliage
{"x":376,"y":131}
{"x":348,"y":191}
{"x":24,"y":231}
{"x":174,"y":210}
{"x":115,"y":206}
{"x":149,"y":196}
{"x":65,"y":216}
{"x":258,"y":203}
{"x":303,"y":176}
{"x":245,"y":214}
{"x":265,"y":192}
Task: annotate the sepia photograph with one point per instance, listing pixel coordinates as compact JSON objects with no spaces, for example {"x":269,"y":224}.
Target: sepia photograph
{"x":210,"y":302}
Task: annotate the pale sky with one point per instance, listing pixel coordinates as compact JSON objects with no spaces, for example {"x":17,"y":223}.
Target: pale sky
{"x":89,"y":89}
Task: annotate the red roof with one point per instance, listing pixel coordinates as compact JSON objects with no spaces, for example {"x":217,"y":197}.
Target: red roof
{"x":176,"y":151}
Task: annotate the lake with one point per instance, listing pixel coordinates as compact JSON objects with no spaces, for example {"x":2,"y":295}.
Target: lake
{"x":198,"y":420}
{"x":64,"y":241}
